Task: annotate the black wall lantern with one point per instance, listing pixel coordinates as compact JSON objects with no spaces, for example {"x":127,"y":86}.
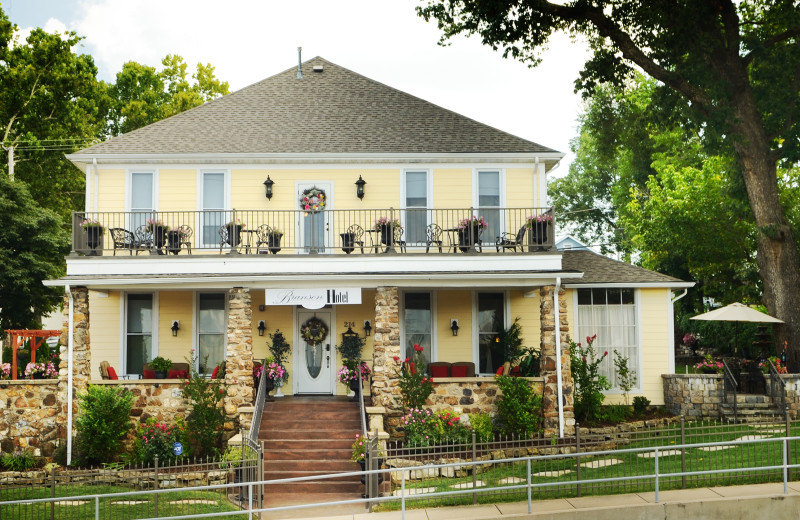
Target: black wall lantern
{"x":367,"y":327}
{"x":454,"y":326}
{"x":176,"y":325}
{"x":360,"y":187}
{"x":261,"y":327}
{"x":268,"y":183}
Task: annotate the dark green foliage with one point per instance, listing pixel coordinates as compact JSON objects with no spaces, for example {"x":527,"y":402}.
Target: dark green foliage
{"x":351,"y":347}
{"x":279,"y":348}
{"x":519,"y":409}
{"x":589,"y":385}
{"x":511,"y":341}
{"x":615,"y":413}
{"x":481,"y":423}
{"x":19,"y":460}
{"x":60,"y":454}
{"x":204,"y":422}
{"x":102,"y":424}
{"x":640,"y":404}
{"x":530,"y":362}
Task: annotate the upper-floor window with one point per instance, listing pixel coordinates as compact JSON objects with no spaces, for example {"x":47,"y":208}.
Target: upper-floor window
{"x":142,"y":198}
{"x":611,"y":314}
{"x":489,"y":203}
{"x":416,"y":203}
{"x":213,"y":199}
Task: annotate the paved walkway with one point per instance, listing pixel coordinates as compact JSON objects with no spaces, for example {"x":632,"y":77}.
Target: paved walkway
{"x":714,"y":502}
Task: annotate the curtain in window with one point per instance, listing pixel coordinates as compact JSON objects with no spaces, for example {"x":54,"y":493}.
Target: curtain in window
{"x":211,"y":332}
{"x":417,"y":323}
{"x":489,"y":203}
{"x":139,"y":333}
{"x":416,"y":207}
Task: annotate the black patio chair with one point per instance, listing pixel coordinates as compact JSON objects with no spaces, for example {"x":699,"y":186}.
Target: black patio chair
{"x":433,"y":235}
{"x":511,"y":241}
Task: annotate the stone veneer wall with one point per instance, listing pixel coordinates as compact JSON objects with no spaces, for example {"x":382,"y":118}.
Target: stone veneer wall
{"x":469,"y":394}
{"x":699,"y":395}
{"x":386,"y":340}
{"x":29,"y":416}
{"x":81,"y":355}
{"x":238,"y":357}
{"x":548,"y":361}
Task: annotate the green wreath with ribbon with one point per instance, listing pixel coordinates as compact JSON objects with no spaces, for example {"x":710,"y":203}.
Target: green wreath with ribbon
{"x":314,"y":331}
{"x":313,"y":199}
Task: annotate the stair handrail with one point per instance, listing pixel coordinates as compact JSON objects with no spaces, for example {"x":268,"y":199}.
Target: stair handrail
{"x":363,"y":412}
{"x":729,"y":378}
{"x":775,"y":379}
{"x":261,"y":398}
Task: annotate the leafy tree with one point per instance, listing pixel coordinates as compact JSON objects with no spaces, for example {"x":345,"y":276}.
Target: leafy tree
{"x":734,"y":66}
{"x":32,"y":249}
{"x":103,"y":423}
{"x":143,"y":96}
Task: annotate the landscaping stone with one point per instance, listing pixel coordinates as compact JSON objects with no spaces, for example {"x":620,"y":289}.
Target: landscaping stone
{"x":469,"y":485}
{"x":601,"y":463}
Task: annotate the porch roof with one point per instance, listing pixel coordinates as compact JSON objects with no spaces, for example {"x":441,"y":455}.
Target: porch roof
{"x":600,"y":270}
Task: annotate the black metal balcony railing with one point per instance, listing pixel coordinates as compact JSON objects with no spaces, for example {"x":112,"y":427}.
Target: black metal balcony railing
{"x":503,"y":230}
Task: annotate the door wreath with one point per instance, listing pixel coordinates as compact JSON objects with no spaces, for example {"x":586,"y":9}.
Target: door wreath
{"x":314,"y":331}
{"x":313,"y":199}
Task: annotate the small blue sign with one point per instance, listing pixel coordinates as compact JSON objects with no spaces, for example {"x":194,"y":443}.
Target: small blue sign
{"x":177,"y":449}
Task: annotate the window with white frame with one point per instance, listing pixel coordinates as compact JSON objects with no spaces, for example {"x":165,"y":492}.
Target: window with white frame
{"x":417,"y":323}
{"x":142,"y":206}
{"x":211,"y":329}
{"x":138,"y":332}
{"x":491,"y":319}
{"x":489,"y":203}
{"x":416,"y":206}
{"x":213,"y":206}
{"x":611,"y":314}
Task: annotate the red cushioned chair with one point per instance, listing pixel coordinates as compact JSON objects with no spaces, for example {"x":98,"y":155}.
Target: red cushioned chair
{"x":148,"y":374}
{"x":112,"y":374}
{"x":462,"y":369}
{"x":439,"y":369}
{"x":215,"y":372}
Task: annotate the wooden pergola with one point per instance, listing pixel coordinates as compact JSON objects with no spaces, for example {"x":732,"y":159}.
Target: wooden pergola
{"x":18,"y":339}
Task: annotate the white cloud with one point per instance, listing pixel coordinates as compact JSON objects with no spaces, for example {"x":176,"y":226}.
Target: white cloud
{"x":249,"y":40}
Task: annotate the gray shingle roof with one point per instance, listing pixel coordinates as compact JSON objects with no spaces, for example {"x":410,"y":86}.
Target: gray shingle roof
{"x":601,"y":269}
{"x":335,"y":111}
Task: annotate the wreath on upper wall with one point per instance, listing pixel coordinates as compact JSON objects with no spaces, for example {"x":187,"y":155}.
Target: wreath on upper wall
{"x":314,"y":331}
{"x":313,"y":199}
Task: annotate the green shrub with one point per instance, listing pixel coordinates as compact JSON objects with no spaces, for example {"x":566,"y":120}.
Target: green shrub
{"x":204,"y":423}
{"x":156,"y":439}
{"x":102,"y":424}
{"x":519,"y":409}
{"x":589,"y":384}
{"x":19,"y":460}
{"x":615,"y":413}
{"x":481,"y":423}
{"x":640,"y":404}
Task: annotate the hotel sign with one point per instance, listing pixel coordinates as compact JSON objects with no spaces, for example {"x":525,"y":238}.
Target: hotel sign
{"x":313,"y":298}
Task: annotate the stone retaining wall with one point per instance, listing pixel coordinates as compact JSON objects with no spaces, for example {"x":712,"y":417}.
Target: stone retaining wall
{"x":469,"y":394}
{"x":29,"y":416}
{"x":136,"y":479}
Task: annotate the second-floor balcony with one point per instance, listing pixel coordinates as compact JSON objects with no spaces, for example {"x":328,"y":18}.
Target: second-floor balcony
{"x":327,"y":232}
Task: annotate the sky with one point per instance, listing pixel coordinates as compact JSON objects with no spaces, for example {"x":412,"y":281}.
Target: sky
{"x":249,"y":40}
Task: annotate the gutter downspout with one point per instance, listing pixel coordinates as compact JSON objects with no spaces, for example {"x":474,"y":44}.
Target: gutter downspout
{"x":560,"y":392}
{"x":70,"y":332}
{"x":672,"y":326}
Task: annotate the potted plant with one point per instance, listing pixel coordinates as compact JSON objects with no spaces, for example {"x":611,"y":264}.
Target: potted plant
{"x":538,"y":225}
{"x":469,"y":230}
{"x":385,"y":226}
{"x":278,"y":375}
{"x":258,"y":372}
{"x":709,"y":366}
{"x":5,"y":370}
{"x":94,"y":232}
{"x":353,"y":374}
{"x":234,"y":228}
{"x":161,"y":366}
{"x":159,"y":231}
{"x":174,"y":239}
{"x":359,"y":455}
{"x":274,"y":240}
{"x":780,"y":367}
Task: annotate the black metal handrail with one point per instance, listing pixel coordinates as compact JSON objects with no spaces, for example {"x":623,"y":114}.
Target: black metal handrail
{"x":729,"y":380}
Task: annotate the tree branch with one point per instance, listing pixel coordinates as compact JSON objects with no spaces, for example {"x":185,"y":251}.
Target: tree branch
{"x":788,"y":34}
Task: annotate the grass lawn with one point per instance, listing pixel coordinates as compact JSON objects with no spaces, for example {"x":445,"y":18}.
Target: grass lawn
{"x":136,"y":506}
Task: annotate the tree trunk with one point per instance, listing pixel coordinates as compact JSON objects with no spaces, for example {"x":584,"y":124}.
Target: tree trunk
{"x":778,"y":261}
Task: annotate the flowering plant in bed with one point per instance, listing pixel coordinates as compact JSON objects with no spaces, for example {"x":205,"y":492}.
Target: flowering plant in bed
{"x":426,"y":428}
{"x":41,"y":370}
{"x":415,"y":387}
{"x":780,"y":367}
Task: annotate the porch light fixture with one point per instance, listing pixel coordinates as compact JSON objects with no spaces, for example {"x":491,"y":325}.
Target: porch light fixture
{"x":176,"y":325}
{"x":367,"y":327}
{"x":268,"y":183}
{"x":454,"y":326}
{"x":360,"y":189}
{"x":262,"y":326}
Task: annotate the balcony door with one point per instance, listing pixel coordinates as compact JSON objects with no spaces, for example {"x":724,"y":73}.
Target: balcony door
{"x":313,"y":219}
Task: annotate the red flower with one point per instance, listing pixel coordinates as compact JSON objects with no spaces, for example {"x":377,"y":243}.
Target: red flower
{"x":396,"y":358}
{"x":418,"y":348}
{"x":584,"y":359}
{"x":605,"y":353}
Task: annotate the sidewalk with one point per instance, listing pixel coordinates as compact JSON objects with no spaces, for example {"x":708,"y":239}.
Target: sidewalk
{"x":733,"y":502}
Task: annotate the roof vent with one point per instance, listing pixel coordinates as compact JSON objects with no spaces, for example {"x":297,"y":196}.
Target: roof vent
{"x":299,"y":63}
{"x":317,"y":68}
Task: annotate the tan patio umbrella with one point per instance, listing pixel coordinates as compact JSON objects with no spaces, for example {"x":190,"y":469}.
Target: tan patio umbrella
{"x":737,"y":312}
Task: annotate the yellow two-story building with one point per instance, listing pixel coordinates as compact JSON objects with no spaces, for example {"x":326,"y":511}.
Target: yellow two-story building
{"x":319,"y":201}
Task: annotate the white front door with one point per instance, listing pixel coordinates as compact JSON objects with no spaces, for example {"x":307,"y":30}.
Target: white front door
{"x":315,"y":361}
{"x":314,"y":201}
